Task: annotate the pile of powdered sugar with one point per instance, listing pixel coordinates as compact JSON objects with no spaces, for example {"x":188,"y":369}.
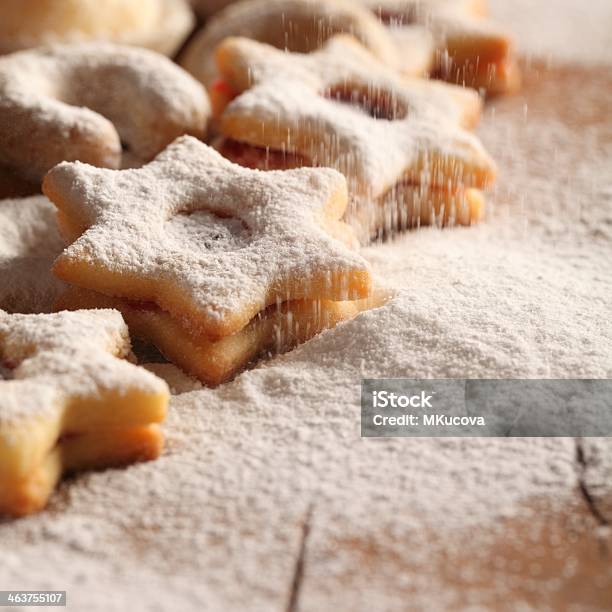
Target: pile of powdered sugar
{"x":218,"y":522}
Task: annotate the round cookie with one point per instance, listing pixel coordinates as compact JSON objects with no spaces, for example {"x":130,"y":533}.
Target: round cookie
{"x":99,"y":103}
{"x":161,"y":25}
{"x":296,"y":25}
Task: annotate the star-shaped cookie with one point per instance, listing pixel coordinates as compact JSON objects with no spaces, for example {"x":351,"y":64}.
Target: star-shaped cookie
{"x":204,"y":239}
{"x":341,"y":107}
{"x":68,"y":401}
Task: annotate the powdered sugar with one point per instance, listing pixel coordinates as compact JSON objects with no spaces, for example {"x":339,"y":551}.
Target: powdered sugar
{"x":176,"y":379}
{"x":247,"y":463}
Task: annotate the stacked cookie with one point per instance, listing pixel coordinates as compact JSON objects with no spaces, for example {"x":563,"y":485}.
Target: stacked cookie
{"x":212,"y":262}
{"x":402,"y":143}
{"x":68,"y":401}
{"x":458,"y":41}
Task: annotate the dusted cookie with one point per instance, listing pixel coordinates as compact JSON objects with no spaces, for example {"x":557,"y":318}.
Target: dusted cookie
{"x":404,"y":206}
{"x":340,"y":107}
{"x":205,"y":239}
{"x":69,"y":401}
{"x":160,"y":25}
{"x":91,"y":103}
{"x":408,"y":206}
{"x":295,"y":25}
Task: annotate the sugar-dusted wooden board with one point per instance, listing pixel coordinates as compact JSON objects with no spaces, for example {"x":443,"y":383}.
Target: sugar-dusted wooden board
{"x":546,"y":559}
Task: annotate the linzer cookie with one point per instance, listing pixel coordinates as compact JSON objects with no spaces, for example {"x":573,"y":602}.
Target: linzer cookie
{"x":340,"y":107}
{"x":470,"y":49}
{"x":102,"y":104}
{"x":210,"y":242}
{"x":214,"y":361}
{"x":69,"y":401}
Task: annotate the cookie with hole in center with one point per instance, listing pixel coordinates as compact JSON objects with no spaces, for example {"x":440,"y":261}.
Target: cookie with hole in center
{"x":340,"y":107}
{"x":205,"y":239}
